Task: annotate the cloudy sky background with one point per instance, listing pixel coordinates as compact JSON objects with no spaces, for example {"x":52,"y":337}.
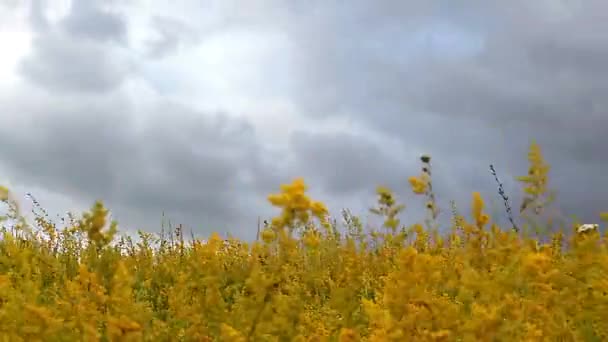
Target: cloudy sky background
{"x":202,"y":108}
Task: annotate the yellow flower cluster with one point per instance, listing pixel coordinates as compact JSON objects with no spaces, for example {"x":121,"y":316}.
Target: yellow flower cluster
{"x":296,"y":205}
{"x":472,"y":283}
{"x":536,"y":180}
{"x":419,"y":184}
{"x":388,"y":208}
{"x":481,"y":218}
{"x":422,"y":185}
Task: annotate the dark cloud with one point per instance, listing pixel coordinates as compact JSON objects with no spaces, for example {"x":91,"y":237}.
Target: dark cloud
{"x":345,"y":163}
{"x":197,"y":167}
{"x":66,"y":64}
{"x":74,"y":56}
{"x":85,"y":136}
{"x":471,"y":84}
{"x":525,"y":81}
{"x":74,"y":146}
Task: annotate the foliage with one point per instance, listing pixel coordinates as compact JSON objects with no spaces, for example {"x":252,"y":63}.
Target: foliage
{"x":307,"y":281}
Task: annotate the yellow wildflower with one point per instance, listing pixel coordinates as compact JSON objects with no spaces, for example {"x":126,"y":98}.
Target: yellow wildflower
{"x":268,"y":235}
{"x":418,"y":185}
{"x":536,"y":180}
{"x":312,"y":239}
{"x":295,"y":204}
{"x":318,"y":208}
{"x":278,"y":199}
{"x":481,"y":219}
{"x":3,"y":193}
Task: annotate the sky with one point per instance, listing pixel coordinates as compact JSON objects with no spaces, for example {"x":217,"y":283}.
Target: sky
{"x":200,"y":109}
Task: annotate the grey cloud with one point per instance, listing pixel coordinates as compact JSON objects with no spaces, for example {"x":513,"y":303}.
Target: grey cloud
{"x":88,"y":19}
{"x":90,"y":142}
{"x":64,"y":63}
{"x":73,"y":146}
{"x":521,"y":72}
{"x":172,"y":34}
{"x":345,"y":163}
{"x":526,"y":81}
{"x":75,"y":56}
{"x":346,"y":168}
{"x":190,"y":164}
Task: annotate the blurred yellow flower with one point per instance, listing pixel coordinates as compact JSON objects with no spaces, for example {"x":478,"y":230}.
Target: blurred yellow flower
{"x":268,"y":235}
{"x":481,"y":218}
{"x":419,"y":186}
{"x":3,"y":193}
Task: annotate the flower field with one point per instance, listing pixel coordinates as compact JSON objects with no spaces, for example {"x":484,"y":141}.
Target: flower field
{"x":305,"y":280}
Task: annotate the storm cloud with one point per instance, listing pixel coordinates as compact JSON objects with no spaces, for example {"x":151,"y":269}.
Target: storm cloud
{"x":200,"y":110}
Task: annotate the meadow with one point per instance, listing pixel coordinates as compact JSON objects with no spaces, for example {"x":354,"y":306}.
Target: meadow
{"x":305,"y":280}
